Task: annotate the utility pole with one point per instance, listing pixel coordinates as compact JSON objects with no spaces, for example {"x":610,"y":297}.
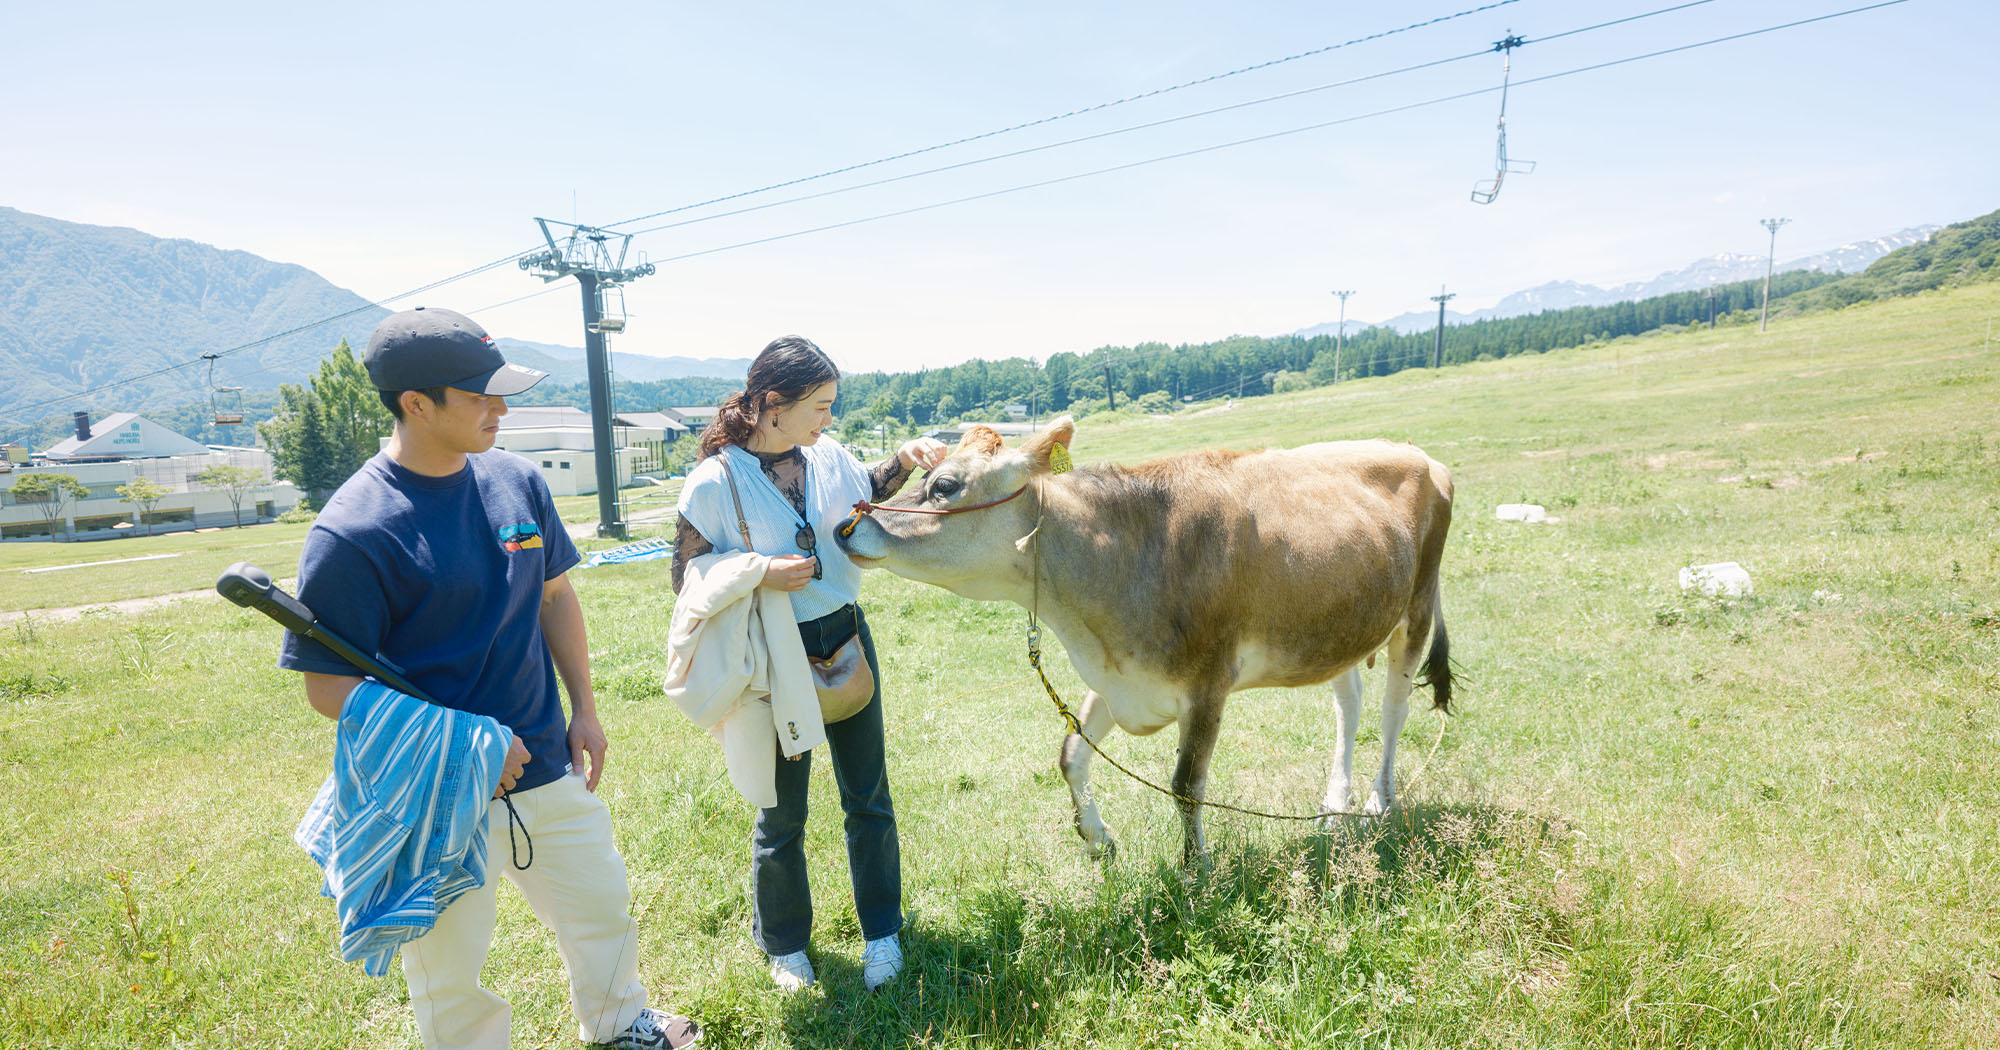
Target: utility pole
{"x":1711,"y":306}
{"x":1340,"y":339}
{"x":1443,"y":297}
{"x":586,"y":254}
{"x":1110,"y":392}
{"x":1764,"y":316}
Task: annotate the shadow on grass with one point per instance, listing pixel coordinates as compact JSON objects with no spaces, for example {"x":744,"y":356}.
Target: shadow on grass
{"x":1025,"y":957}
{"x":1427,"y":926}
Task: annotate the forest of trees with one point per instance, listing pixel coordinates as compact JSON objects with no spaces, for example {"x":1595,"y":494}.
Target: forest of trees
{"x":1157,"y":375}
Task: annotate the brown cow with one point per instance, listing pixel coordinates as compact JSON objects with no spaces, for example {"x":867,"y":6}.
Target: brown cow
{"x":1177,"y":582}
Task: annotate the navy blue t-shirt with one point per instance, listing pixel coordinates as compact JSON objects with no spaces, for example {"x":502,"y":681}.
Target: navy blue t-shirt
{"x":442,"y":577}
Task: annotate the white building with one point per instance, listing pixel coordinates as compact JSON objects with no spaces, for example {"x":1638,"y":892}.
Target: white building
{"x":119,"y":449}
{"x":559,"y":440}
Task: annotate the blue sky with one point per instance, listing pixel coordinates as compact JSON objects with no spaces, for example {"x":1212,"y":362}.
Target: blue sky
{"x":387,"y":145}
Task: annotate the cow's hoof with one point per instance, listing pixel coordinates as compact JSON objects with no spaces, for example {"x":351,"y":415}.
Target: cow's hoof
{"x":1104,"y":851}
{"x":1376,"y":806}
{"x":1331,"y":819}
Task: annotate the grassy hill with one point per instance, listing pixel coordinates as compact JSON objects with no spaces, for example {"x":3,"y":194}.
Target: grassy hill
{"x":1659,"y":820}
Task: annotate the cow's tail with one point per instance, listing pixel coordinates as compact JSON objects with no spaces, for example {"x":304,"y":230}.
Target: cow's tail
{"x":1437,"y":666}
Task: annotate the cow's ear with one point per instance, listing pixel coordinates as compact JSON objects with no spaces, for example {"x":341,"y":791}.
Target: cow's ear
{"x":1042,"y":448}
{"x":983,"y":440}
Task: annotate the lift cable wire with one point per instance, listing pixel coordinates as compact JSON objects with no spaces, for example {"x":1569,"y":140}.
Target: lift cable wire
{"x":1482,"y":52}
{"x":1212,"y":78}
{"x":1025,"y":151}
{"x":1474,"y":93}
{"x":114,"y":384}
{"x":264,"y":340}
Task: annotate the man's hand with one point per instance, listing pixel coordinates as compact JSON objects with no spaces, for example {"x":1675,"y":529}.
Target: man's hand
{"x":517,"y":763}
{"x":922,"y":453}
{"x":586,"y":741}
{"x":788,"y":572}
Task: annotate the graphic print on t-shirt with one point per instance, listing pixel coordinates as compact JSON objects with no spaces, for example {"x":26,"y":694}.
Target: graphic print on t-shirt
{"x":520,"y":537}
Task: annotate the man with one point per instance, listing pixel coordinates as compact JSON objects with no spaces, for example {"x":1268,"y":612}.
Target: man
{"x":447,"y":559}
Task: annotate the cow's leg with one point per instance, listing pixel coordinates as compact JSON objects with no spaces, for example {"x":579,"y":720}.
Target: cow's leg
{"x":1347,"y":693}
{"x":1405,"y":656}
{"x":1200,"y":723}
{"x":1096,"y":718}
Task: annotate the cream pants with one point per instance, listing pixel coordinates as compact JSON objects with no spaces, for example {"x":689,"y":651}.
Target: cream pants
{"x":576,"y":886}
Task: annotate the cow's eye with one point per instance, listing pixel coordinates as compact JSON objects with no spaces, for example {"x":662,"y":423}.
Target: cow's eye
{"x":944,"y":487}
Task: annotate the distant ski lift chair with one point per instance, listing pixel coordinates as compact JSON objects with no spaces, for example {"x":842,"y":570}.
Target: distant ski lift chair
{"x":610,"y":309}
{"x":225,"y":403}
{"x":1486,"y":190}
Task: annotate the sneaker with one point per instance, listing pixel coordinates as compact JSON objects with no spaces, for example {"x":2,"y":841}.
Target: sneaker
{"x":793,"y":973}
{"x":653,"y":1030}
{"x":881,"y":961}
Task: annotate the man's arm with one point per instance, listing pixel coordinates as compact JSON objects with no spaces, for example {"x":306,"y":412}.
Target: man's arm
{"x":327,"y":693}
{"x":562,"y":627}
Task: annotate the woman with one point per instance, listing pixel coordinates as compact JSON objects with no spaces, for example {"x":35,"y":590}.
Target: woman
{"x":795,"y":490}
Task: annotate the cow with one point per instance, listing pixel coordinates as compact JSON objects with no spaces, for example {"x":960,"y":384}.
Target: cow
{"x":1179,"y":581}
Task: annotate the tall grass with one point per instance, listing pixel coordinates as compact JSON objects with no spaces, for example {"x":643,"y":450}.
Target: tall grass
{"x":1660,"y":820}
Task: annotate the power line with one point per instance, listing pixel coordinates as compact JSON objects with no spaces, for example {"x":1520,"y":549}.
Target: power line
{"x":1072,"y":113}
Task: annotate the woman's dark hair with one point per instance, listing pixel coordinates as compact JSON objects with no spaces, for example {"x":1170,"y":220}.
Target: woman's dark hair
{"x":783,"y":374}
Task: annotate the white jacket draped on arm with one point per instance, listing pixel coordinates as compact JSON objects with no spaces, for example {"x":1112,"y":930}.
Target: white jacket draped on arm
{"x":736,"y":667}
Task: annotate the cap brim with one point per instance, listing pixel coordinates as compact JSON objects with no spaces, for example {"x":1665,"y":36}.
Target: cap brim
{"x":505,"y":381}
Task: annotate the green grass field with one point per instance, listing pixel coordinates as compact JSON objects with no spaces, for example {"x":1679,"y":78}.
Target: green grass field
{"x":1659,"y":821}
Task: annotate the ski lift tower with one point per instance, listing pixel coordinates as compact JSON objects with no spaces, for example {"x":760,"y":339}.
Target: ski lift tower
{"x":596,"y":258}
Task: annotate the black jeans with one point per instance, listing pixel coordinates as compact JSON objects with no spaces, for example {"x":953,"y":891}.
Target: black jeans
{"x":781,"y":899}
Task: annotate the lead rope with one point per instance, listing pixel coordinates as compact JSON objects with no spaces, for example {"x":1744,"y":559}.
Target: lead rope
{"x":1075,"y":726}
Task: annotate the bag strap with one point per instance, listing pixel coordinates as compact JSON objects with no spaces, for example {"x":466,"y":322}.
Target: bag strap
{"x":742,"y":525}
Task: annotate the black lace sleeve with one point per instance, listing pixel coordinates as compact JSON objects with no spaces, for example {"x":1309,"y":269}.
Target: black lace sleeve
{"x":688,"y":543}
{"x":888,"y":477}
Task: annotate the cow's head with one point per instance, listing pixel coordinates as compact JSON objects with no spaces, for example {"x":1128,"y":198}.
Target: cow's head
{"x":974,"y":553}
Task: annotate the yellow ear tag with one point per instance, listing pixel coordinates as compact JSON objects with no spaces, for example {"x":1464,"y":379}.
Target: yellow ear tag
{"x":1059,"y":461}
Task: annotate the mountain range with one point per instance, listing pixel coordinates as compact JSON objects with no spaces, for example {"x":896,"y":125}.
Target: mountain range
{"x":565,"y":364}
{"x":1700,"y":274}
{"x":129,"y":316}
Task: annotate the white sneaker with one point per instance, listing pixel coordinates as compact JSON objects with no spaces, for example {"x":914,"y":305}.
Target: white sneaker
{"x":793,"y":973}
{"x":881,"y":961}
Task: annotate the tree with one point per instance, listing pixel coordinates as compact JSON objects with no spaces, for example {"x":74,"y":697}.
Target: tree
{"x":145,"y":494}
{"x":324,"y":431}
{"x":49,"y":493}
{"x":1288,"y":382}
{"x":232,"y":481}
{"x":947,"y":409}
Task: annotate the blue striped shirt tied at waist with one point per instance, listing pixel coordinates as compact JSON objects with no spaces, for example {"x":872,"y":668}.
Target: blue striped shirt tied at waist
{"x":399,"y":828}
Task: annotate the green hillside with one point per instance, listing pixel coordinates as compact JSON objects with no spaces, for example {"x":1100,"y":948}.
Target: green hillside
{"x":85,"y":305}
{"x":1962,"y":253}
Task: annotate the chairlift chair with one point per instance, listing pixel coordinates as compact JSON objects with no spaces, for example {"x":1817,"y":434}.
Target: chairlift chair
{"x":610,"y":309}
{"x":1486,"y":190}
{"x":225,"y":403}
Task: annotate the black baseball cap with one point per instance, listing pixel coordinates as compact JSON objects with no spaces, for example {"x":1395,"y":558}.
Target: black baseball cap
{"x":423,"y":348}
